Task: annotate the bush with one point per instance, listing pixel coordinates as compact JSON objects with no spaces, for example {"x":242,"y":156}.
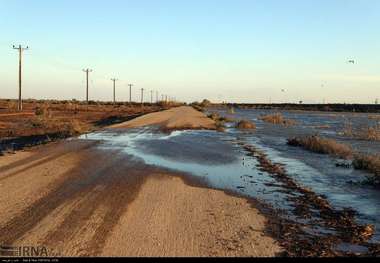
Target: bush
{"x":369,"y":133}
{"x":323,"y":146}
{"x":277,"y":118}
{"x":370,"y":163}
{"x":39,"y":111}
{"x":245,"y":125}
{"x":214,"y":116}
{"x":205,"y":103}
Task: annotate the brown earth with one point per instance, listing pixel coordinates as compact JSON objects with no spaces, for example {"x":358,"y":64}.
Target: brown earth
{"x":48,"y":117}
{"x":176,"y":118}
{"x":79,"y":200}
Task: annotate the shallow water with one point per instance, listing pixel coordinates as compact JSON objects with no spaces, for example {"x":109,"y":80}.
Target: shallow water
{"x":223,"y":164}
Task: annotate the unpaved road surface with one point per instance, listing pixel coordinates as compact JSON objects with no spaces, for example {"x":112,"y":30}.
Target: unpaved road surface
{"x":79,"y":200}
{"x":176,"y":118}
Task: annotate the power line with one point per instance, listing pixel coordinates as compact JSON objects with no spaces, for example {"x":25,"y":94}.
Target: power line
{"x":87,"y":71}
{"x":20,"y":51}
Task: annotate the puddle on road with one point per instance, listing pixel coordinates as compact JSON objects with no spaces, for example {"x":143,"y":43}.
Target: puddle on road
{"x":222,"y":164}
{"x":205,"y":154}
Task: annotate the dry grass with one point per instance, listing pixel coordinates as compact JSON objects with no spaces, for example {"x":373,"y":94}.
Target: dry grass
{"x":245,"y":125}
{"x":219,"y":121}
{"x":12,"y":106}
{"x":65,"y":126}
{"x":348,"y":130}
{"x":64,"y":117}
{"x":279,"y":119}
{"x":369,"y":133}
{"x":374,"y":117}
{"x":368,"y":162}
{"x":323,"y":146}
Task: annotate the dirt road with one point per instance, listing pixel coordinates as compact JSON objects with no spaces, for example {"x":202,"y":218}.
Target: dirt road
{"x":78,"y":200}
{"x":176,"y":118}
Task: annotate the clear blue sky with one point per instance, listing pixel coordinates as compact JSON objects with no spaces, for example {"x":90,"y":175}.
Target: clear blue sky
{"x":240,"y":50}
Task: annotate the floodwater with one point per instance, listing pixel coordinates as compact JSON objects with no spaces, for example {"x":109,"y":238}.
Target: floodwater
{"x":222,"y":163}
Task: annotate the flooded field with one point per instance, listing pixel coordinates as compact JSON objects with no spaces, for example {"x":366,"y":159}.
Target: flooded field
{"x":221,"y":161}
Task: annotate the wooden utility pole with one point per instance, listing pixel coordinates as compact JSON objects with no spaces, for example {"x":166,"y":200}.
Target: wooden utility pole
{"x":114,"y":88}
{"x":142,"y":96}
{"x":130,"y":92}
{"x":20,"y":50}
{"x":87,"y":71}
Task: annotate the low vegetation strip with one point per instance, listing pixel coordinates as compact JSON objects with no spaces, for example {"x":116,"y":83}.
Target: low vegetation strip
{"x":322,"y":145}
{"x":367,"y":162}
{"x":369,"y":133}
{"x":315,"y":211}
{"x":46,"y":121}
{"x":278,"y":118}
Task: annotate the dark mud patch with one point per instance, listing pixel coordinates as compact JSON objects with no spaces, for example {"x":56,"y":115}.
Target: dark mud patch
{"x":115,"y":120}
{"x":15,"y":144}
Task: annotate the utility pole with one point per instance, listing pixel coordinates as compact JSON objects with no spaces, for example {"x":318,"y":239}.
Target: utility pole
{"x":151,"y":96}
{"x":130,"y":92}
{"x":142,"y":96}
{"x":87,"y":71}
{"x":114,"y":88}
{"x":20,"y":50}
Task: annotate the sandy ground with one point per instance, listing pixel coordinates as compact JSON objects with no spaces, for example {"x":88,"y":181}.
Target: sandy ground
{"x":78,"y":200}
{"x":176,"y":118}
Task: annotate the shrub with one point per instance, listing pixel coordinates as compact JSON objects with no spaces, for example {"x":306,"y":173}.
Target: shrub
{"x":39,"y":111}
{"x":369,"y":133}
{"x":277,"y":118}
{"x":205,"y":103}
{"x":323,"y":146}
{"x":245,"y":125}
{"x":12,"y":105}
{"x":214,"y":116}
{"x":347,"y":129}
{"x":368,"y":162}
